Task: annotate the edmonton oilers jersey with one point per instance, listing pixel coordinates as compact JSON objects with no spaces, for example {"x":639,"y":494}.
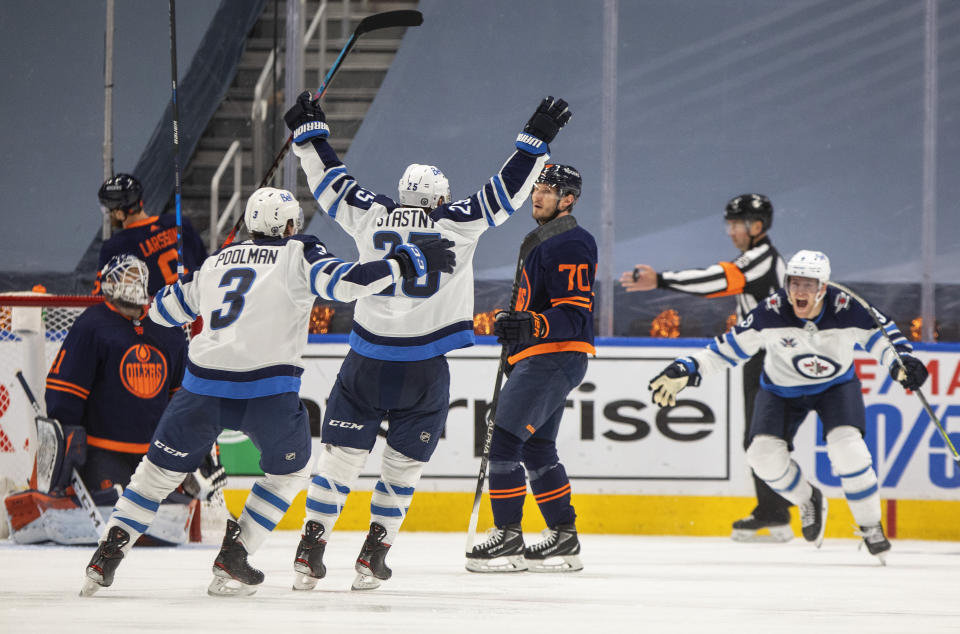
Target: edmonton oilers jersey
{"x":557,"y":282}
{"x":154,"y":240}
{"x":255,"y":298}
{"x":114,"y":376}
{"x":804,"y":356}
{"x":427,"y":317}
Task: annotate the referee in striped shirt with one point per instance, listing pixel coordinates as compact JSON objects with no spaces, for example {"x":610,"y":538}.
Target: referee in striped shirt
{"x":751,"y":277}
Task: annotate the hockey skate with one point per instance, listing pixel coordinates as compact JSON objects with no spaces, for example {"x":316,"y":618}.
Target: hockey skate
{"x":558,"y":551}
{"x":877,"y":543}
{"x":813,"y":517}
{"x":750,"y":529}
{"x":308,"y":564}
{"x":232,"y":574}
{"x":104,"y":562}
{"x":502,"y":551}
{"x":371,"y":567}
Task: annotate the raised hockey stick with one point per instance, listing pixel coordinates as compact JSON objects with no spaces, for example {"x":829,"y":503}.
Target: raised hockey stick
{"x":176,"y":137}
{"x":530,"y":242}
{"x":52,"y":425}
{"x":375,"y":22}
{"x":918,"y":391}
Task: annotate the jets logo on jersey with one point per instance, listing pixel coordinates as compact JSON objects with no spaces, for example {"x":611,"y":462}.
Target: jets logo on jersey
{"x":772,"y":303}
{"x":143,"y":370}
{"x":814,"y":366}
{"x":841,"y":302}
{"x":788,"y":342}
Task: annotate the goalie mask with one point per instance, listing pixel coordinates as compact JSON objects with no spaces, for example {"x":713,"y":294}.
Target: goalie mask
{"x":270,"y":209}
{"x":423,"y":186}
{"x":812,"y":265}
{"x":123,"y":281}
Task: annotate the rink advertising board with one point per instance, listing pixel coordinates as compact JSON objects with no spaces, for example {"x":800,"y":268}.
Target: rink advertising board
{"x":614,"y":439}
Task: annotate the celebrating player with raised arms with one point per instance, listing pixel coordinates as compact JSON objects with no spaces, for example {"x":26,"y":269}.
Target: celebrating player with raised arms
{"x":401,"y":334}
{"x":243,"y":373}
{"x":809,"y":331}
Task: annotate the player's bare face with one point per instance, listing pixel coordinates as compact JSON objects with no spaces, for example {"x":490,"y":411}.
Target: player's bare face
{"x":804,"y":296}
{"x":545,"y":200}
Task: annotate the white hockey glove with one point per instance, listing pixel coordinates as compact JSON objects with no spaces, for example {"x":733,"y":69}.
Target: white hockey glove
{"x":674,"y":378}
{"x":205,"y":481}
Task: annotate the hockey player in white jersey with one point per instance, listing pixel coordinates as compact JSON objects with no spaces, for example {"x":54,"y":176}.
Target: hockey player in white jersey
{"x":401,"y":334}
{"x":809,"y":331}
{"x":243,"y":373}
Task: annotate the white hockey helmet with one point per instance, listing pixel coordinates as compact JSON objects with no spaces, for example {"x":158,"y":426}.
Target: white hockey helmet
{"x":812,"y":264}
{"x":123,"y":281}
{"x":423,"y":186}
{"x":269,"y":209}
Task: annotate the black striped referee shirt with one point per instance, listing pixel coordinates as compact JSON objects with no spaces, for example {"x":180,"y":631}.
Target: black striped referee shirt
{"x":753,"y":276}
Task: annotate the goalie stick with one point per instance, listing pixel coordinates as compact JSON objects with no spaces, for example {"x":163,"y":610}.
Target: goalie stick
{"x":375,"y":22}
{"x":532,"y":240}
{"x":918,"y":392}
{"x":52,"y":426}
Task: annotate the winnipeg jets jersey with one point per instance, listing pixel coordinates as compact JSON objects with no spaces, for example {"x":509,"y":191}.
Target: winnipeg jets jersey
{"x":427,"y":317}
{"x":804,"y":356}
{"x":255,"y":298}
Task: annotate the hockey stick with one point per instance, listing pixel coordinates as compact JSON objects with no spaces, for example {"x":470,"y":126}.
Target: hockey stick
{"x":78,"y":486}
{"x":918,"y":392}
{"x":530,"y":242}
{"x":375,"y":22}
{"x":176,"y":137}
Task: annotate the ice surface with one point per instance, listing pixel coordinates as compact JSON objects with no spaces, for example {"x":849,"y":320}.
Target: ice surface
{"x":629,"y":584}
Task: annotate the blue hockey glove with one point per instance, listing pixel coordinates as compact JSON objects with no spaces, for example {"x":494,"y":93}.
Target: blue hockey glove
{"x":425,"y":255}
{"x":543,"y":126}
{"x":306,"y":119}
{"x":519,"y":326}
{"x":915,"y":375}
{"x":675,"y":377}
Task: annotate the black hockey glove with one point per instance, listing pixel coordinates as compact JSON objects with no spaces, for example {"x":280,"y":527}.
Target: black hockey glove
{"x":306,"y":119}
{"x":209,"y":478}
{"x":425,"y":255}
{"x":915,"y":375}
{"x":550,"y":116}
{"x":512,"y":327}
{"x":675,"y":377}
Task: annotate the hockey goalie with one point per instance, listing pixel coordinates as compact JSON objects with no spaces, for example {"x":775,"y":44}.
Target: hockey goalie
{"x":105,"y":391}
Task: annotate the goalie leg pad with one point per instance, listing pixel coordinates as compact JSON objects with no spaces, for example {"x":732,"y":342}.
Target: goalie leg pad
{"x":852,"y":462}
{"x":138,"y":506}
{"x":393,"y":493}
{"x":268,"y":501}
{"x":770,"y":459}
{"x":337,"y":471}
{"x":36,"y":517}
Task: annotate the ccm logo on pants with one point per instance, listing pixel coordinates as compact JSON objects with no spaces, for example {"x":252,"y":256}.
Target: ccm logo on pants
{"x":345,"y":424}
{"x":170,"y":450}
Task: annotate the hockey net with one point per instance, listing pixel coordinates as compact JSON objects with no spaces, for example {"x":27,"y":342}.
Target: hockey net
{"x":33,"y":325}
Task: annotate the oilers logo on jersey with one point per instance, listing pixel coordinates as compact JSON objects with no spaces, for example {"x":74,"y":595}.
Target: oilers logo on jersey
{"x":143,"y":370}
